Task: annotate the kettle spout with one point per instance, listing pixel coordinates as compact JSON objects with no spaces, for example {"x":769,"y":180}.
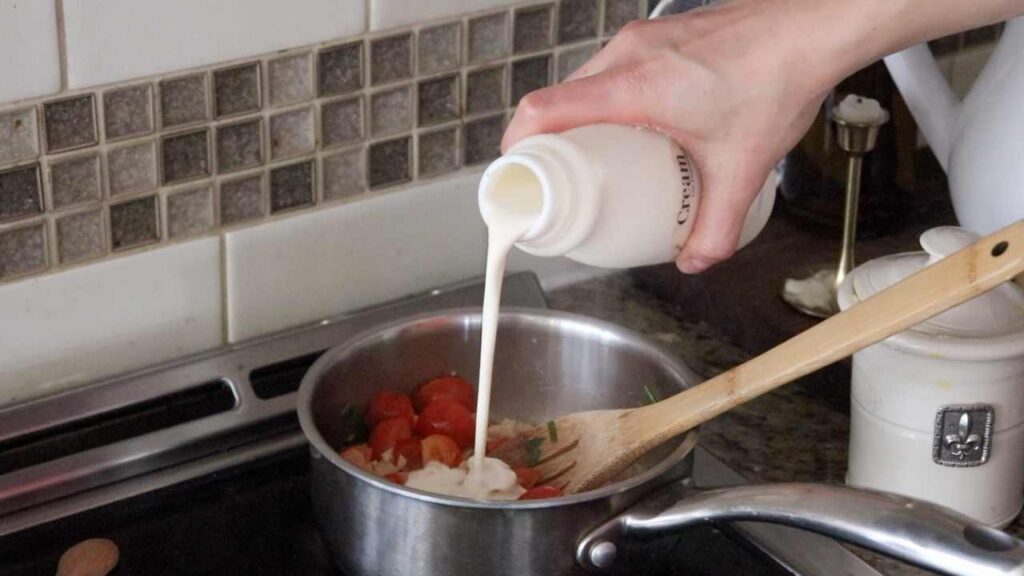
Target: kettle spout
{"x":928,"y":95}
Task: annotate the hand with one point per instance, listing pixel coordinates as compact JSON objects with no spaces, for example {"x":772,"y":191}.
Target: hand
{"x":718,"y":81}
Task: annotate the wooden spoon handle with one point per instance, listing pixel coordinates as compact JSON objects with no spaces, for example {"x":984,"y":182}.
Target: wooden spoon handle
{"x":953,"y":280}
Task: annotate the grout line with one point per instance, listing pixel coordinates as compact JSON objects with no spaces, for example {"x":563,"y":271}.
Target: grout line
{"x":224,"y":297}
{"x":62,"y":46}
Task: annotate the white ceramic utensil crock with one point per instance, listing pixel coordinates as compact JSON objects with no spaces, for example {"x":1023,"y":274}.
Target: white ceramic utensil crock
{"x":936,"y":411}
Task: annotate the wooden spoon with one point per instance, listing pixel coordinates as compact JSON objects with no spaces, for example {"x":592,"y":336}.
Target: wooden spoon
{"x":588,"y":449}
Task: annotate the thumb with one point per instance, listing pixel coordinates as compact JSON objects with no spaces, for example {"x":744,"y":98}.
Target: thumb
{"x":728,"y":191}
{"x":612,"y":96}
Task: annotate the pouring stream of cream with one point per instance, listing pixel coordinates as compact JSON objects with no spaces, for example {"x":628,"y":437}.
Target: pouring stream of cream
{"x":518,"y":201}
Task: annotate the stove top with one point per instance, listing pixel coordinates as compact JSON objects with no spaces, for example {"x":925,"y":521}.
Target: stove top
{"x":212,"y":478}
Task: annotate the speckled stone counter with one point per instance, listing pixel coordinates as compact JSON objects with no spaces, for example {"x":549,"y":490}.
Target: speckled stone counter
{"x":791,"y":434}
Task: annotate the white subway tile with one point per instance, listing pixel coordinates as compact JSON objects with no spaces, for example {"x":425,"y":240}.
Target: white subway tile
{"x":29,"y":58}
{"x":109,"y":40}
{"x":386,"y":14}
{"x":71,"y":328}
{"x":327,"y":262}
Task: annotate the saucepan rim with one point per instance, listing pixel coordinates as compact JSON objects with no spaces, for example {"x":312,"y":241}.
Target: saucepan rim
{"x":311,"y":381}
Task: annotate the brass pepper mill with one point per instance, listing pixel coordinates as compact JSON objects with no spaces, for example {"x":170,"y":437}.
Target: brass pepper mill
{"x":857,"y":135}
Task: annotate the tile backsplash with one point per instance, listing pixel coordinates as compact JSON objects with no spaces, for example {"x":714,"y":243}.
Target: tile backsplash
{"x":309,"y":177}
{"x":186,"y":154}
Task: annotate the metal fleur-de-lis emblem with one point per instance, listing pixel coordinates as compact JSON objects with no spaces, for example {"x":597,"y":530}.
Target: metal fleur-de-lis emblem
{"x":963,"y":442}
{"x":963,"y":435}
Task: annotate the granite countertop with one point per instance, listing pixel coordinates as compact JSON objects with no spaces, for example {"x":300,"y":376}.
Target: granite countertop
{"x":793,"y":434}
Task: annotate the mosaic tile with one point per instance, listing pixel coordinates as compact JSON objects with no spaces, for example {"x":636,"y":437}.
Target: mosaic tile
{"x":186,"y":156}
{"x":70,"y":123}
{"x":239,"y":145}
{"x":19,"y":135}
{"x":340,"y":69}
{"x":20,"y":193}
{"x":132,"y":168}
{"x":236,"y":90}
{"x":134,"y":223}
{"x":81,"y":237}
{"x":439,"y":48}
{"x":291,"y":79}
{"x":242,"y":200}
{"x":341,"y":121}
{"x":485,"y":89}
{"x":183,"y":100}
{"x":438,"y":100}
{"x":391,"y":111}
{"x":391,"y":59}
{"x":570,"y":60}
{"x":344,"y":174}
{"x":577,"y":20}
{"x":389,"y":162}
{"x":292,"y":133}
{"x":291,"y":186}
{"x":618,"y":13}
{"x":22,"y":251}
{"x":532,"y":28}
{"x":529,"y":75}
{"x":488,"y":37}
{"x":438,"y":151}
{"x":128,"y":111}
{"x":481,"y":139}
{"x":189,"y":213}
{"x":75,"y":181}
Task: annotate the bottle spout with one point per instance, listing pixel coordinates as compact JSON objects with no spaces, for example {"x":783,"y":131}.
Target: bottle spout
{"x":509,"y":192}
{"x":928,"y":95}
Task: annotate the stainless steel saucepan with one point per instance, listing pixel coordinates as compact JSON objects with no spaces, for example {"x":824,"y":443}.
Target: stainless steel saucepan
{"x":547,"y":364}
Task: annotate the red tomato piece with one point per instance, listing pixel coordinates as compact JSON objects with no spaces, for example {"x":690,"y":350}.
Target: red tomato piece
{"x":359,"y":455}
{"x":527,"y":477}
{"x":449,"y":418}
{"x":412,"y":450}
{"x":388,"y":405}
{"x":447,"y":388}
{"x":398,"y":477}
{"x":387,"y":433}
{"x":494,"y":444}
{"x":440,"y":448}
{"x":541,"y":492}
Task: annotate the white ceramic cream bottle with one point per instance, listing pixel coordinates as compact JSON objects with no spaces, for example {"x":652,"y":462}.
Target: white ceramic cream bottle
{"x":605,"y":195}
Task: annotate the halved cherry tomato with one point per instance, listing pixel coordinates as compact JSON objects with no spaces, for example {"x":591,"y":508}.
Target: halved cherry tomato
{"x":388,"y":405}
{"x":387,"y":433}
{"x":412,"y":450}
{"x":449,"y":418}
{"x":359,"y":455}
{"x":398,"y":477}
{"x":440,"y":448}
{"x":527,"y":477}
{"x":541,"y":492}
{"x":447,"y":388}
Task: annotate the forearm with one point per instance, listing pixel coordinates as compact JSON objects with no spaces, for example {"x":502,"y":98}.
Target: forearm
{"x":838,"y":37}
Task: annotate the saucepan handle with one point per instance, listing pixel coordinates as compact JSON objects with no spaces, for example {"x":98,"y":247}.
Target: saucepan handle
{"x":916,"y":532}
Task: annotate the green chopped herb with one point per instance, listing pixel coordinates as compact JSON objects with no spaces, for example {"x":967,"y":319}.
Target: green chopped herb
{"x":552,"y":431}
{"x":652,"y":398}
{"x":532,"y":447}
{"x":352,"y":425}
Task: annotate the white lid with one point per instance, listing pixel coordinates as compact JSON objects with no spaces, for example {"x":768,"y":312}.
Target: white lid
{"x":996,"y":314}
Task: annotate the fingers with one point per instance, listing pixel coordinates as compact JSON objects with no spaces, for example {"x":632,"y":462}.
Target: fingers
{"x":613,"y":96}
{"x":726,"y":195}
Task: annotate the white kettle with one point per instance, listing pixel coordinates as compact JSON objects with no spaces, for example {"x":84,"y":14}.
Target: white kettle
{"x":980,"y":141}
